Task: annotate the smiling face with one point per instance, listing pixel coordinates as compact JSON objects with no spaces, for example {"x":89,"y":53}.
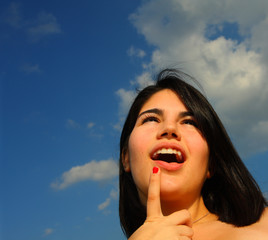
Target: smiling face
{"x":166,"y":135}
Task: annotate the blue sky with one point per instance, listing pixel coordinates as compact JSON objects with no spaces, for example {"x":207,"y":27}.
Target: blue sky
{"x":68,"y":73}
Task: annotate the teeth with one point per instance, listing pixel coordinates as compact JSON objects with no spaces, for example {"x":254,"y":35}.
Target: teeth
{"x":168,"y":151}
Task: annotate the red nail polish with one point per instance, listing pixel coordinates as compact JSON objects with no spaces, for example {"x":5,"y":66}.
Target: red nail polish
{"x":155,"y":169}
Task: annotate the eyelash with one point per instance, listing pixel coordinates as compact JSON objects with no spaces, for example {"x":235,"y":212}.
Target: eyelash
{"x":149,"y":119}
{"x":191,"y":122}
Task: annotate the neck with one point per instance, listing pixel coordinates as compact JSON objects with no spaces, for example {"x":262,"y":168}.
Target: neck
{"x":197,"y":208}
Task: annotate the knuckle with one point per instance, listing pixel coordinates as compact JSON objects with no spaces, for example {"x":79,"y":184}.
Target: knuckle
{"x":152,"y":219}
{"x":190,"y":232}
{"x":186,"y":231}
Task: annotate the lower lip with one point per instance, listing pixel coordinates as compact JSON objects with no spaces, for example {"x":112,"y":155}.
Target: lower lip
{"x":169,"y":166}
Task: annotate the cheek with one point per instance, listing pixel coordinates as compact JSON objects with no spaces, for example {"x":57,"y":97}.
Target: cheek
{"x":203,"y":159}
{"x":137,"y":146}
{"x":202,"y":151}
{"x":199,"y":152}
{"x":197,"y":145}
{"x":136,"y":154}
{"x":139,"y":165}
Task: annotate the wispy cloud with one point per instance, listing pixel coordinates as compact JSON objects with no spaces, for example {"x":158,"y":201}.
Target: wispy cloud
{"x":136,"y":52}
{"x":12,"y":15}
{"x":90,"y":125}
{"x":30,"y":68}
{"x":46,"y":24}
{"x":113,"y":196}
{"x":232,"y":69}
{"x":105,"y":204}
{"x":126,"y":97}
{"x":43,"y":25}
{"x":48,"y":231}
{"x":92,"y":171}
{"x":266,"y":195}
{"x":90,"y":129}
{"x":143,"y":80}
{"x":70,"y":123}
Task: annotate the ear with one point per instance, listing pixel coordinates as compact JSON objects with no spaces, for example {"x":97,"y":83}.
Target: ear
{"x":125,"y":161}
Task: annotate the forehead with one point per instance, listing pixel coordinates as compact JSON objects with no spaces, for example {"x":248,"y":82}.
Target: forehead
{"x":164,"y":99}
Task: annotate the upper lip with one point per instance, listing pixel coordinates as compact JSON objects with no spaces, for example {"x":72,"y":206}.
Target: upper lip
{"x":167,"y":145}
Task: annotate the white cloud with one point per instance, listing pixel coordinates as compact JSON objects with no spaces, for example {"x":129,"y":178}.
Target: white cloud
{"x":259,"y":38}
{"x":105,"y":204}
{"x":143,"y":80}
{"x":48,"y":231}
{"x":89,"y":129}
{"x":266,"y":195}
{"x":113,"y":196}
{"x":90,"y":125}
{"x":12,"y":15}
{"x":261,"y":128}
{"x":136,"y":52}
{"x":233,"y":72}
{"x":126,"y":98}
{"x":70,"y":123}
{"x":44,"y":24}
{"x":118,"y":126}
{"x":92,"y":171}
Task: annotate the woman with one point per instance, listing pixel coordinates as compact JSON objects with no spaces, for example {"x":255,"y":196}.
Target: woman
{"x":180,"y":176}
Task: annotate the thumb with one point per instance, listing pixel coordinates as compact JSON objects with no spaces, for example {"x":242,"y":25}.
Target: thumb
{"x":153,"y":199}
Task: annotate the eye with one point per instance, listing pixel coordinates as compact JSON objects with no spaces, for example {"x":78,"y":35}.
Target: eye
{"x":190,"y":121}
{"x":149,"y":119}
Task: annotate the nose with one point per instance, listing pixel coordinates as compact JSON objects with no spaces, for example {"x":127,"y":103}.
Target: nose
{"x":169,"y":130}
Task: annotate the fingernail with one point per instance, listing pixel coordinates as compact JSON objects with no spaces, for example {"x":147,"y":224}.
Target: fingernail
{"x":155,"y":169}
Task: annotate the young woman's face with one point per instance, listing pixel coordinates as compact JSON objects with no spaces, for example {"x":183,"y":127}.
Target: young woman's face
{"x":166,"y":135}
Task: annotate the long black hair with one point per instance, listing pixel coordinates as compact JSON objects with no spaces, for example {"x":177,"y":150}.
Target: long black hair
{"x":231,"y":192}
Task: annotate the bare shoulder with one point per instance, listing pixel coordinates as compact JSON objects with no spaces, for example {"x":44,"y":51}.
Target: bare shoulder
{"x":217,"y":230}
{"x":256,"y":231}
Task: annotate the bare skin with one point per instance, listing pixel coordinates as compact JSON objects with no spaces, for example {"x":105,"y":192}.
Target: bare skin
{"x":179,"y":225}
{"x":212,"y":229}
{"x":178,"y":210}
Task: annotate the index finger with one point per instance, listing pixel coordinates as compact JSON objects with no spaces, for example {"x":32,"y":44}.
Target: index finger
{"x":153,"y":199}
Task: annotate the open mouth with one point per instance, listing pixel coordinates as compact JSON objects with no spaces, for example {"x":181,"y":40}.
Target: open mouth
{"x":168,"y":155}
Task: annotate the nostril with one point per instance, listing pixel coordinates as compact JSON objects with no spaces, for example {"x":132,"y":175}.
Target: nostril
{"x":165,"y":134}
{"x":169,"y":131}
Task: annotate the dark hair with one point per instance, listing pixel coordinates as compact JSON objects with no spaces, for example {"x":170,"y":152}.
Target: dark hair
{"x":231,"y":193}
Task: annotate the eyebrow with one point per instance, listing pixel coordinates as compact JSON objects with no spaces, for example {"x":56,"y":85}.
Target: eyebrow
{"x":186,"y":114}
{"x":160,"y":112}
{"x":153,"y":110}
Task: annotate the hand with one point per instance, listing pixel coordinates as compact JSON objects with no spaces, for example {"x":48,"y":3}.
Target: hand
{"x":176,"y":226}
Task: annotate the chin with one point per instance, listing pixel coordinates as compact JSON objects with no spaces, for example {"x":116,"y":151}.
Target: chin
{"x":172,"y":182}
{"x":170,"y":193}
